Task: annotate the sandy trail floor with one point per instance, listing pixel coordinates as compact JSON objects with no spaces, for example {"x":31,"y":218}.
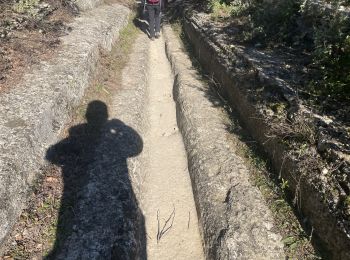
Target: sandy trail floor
{"x":168,"y":204}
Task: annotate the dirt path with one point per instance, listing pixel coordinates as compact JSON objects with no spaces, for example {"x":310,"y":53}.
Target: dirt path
{"x":167,"y":189}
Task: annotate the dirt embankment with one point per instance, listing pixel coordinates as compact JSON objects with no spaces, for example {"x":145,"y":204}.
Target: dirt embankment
{"x":29,"y":33}
{"x":308,"y":149}
{"x":33,"y":113}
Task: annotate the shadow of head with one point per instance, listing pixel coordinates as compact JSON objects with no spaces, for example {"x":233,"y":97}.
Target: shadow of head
{"x":96,"y":113}
{"x":112,"y":138}
{"x":116,"y":136}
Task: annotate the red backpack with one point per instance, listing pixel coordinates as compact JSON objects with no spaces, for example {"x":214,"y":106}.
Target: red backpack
{"x":153,"y":2}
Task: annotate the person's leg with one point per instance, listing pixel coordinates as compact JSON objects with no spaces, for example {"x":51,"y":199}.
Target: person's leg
{"x":157,"y":19}
{"x":151,"y":13}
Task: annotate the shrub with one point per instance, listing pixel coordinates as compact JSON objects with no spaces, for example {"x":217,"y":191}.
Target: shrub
{"x":322,"y":27}
{"x":331,"y":35}
{"x":220,"y":9}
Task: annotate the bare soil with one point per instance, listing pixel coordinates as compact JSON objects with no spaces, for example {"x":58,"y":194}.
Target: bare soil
{"x":168,"y":203}
{"x":27,"y":38}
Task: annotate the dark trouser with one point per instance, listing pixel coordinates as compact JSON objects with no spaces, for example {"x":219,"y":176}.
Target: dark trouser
{"x":154,"y":18}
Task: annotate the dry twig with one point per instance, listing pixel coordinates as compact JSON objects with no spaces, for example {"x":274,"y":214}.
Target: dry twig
{"x":167,"y":225}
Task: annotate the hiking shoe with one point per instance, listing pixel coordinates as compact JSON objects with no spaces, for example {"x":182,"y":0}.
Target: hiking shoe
{"x":157,"y":35}
{"x":152,"y":38}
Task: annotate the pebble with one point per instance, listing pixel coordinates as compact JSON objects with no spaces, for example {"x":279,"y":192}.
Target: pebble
{"x":18,"y":237}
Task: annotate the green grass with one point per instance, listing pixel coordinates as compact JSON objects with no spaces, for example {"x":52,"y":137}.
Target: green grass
{"x":26,"y":6}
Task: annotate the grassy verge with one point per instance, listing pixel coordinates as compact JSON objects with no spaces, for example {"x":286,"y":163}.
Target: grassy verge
{"x":297,"y":239}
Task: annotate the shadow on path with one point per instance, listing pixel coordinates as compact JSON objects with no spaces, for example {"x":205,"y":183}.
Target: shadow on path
{"x":99,"y":216}
{"x":141,"y":20}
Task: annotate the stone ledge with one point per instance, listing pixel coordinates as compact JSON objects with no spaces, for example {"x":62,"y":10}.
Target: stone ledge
{"x":237,"y":81}
{"x":85,"y":5}
{"x":229,"y":207}
{"x":33,"y":113}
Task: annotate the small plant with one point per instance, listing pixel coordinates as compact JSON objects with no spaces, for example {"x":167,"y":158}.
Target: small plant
{"x":302,"y":150}
{"x":239,"y":8}
{"x":220,"y":9}
{"x":25,"y":6}
{"x":297,"y":131}
{"x":347,"y":200}
{"x":284,"y":185}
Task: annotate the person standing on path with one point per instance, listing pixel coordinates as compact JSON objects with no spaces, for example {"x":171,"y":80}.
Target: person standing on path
{"x":154,"y":13}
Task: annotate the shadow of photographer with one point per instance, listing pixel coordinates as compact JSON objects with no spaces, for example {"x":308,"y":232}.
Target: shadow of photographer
{"x":99,"y":216}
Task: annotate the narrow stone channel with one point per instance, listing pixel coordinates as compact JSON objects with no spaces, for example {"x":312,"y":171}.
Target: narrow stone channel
{"x":168,"y":203}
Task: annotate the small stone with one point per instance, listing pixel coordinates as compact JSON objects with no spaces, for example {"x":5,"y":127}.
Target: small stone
{"x":18,"y":237}
{"x":25,"y":233}
{"x":51,"y":179}
{"x":324,"y":171}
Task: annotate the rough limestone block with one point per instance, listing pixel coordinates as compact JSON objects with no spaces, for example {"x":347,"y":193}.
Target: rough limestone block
{"x":33,"y":113}
{"x":234,"y":219}
{"x":85,"y":5}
